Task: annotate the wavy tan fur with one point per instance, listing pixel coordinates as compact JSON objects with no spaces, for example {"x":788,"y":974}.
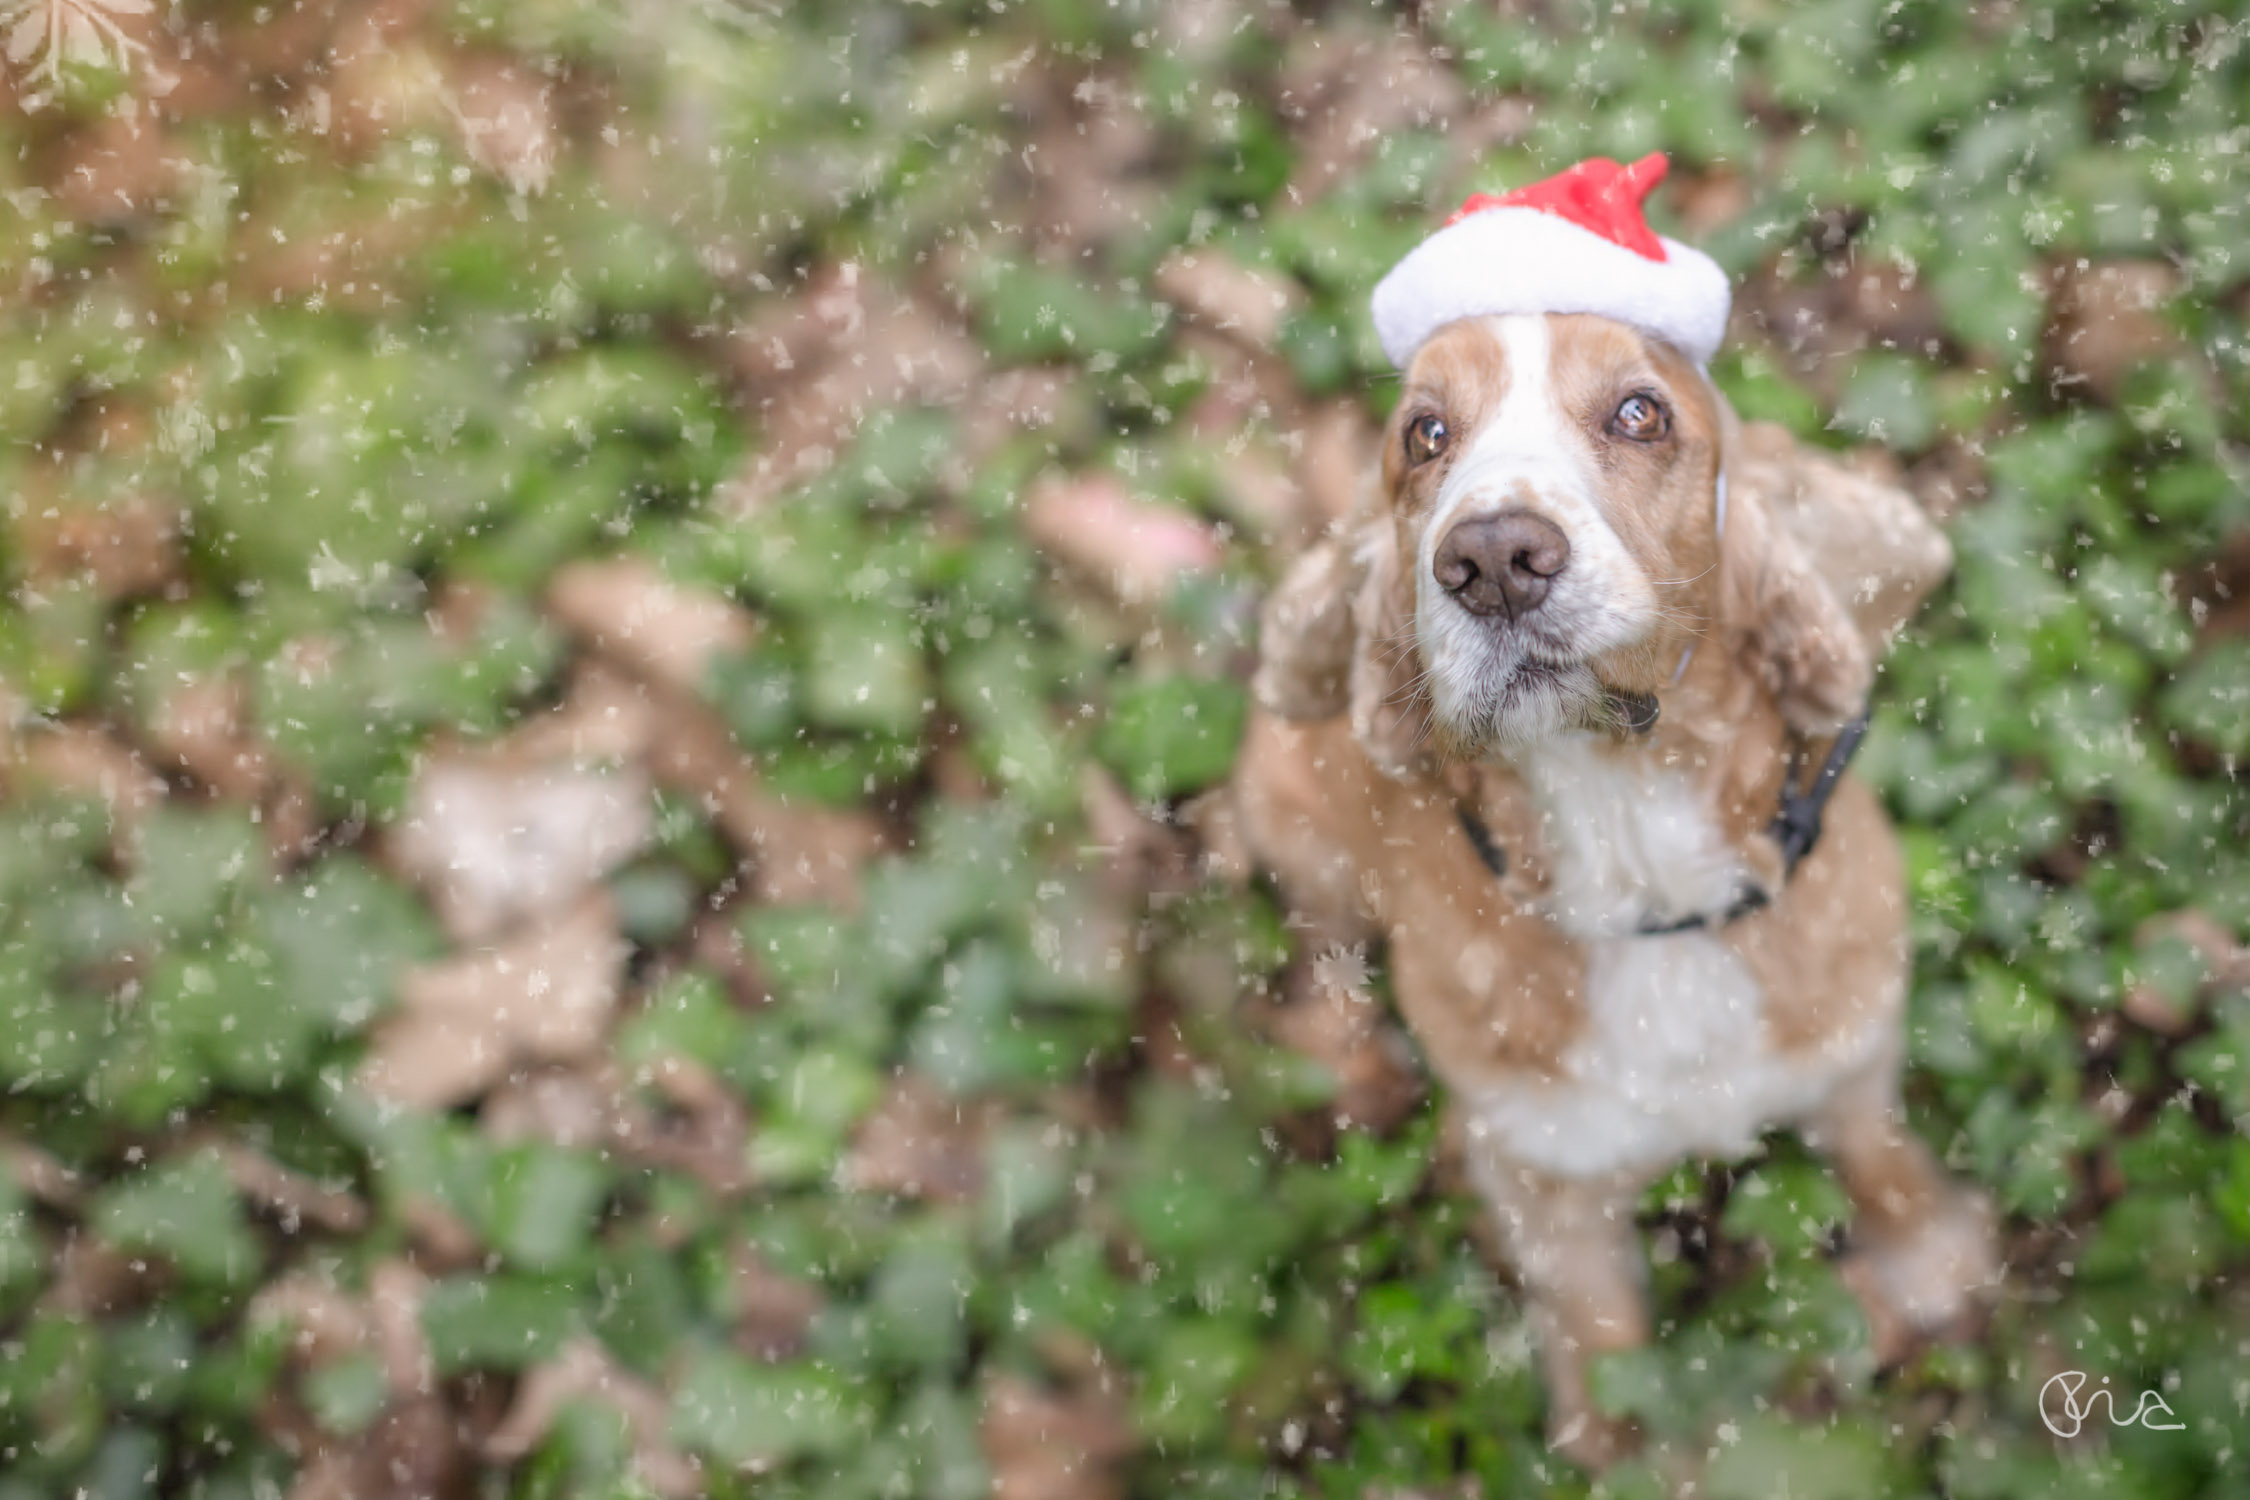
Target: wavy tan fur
{"x":1581,"y":1058}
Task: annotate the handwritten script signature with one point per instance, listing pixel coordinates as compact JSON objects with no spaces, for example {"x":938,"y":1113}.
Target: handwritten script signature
{"x":2065,"y":1405}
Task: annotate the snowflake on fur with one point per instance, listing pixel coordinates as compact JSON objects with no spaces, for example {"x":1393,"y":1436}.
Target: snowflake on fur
{"x":47,"y":36}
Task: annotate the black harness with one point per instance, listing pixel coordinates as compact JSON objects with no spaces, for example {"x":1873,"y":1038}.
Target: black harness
{"x":1795,"y":827}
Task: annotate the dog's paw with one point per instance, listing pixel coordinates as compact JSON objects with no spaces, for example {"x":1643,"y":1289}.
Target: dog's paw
{"x":1929,"y":1278}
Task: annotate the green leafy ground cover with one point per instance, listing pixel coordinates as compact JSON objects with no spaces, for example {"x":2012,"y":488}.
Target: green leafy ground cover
{"x":337,"y":335}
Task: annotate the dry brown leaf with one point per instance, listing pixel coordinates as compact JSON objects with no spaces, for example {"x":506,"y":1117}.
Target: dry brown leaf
{"x":350,"y":268}
{"x":1246,"y":388}
{"x":94,"y":1280}
{"x":705,"y":1133}
{"x":772,"y":1313}
{"x":1139,"y":548}
{"x":1950,"y":478}
{"x":383,"y":80}
{"x":40,"y":1174}
{"x":819,"y":362}
{"x":664,"y":631}
{"x":2107,"y":319}
{"x":718,"y":947}
{"x":1043,"y":398}
{"x":1892,"y":303}
{"x":127,"y":545}
{"x":82,"y":760}
{"x":1347,"y":93}
{"x":789,"y":338}
{"x":702,"y":1130}
{"x":1047,"y":1445}
{"x":1136,"y":853}
{"x":604,"y":719}
{"x":121,"y":167}
{"x":546,"y":995}
{"x":495,"y":840}
{"x":1083,"y":935}
{"x":506,"y":117}
{"x":203,"y":727}
{"x":324,"y":1322}
{"x":413,"y":1450}
{"x":1091,"y":173}
{"x":290,"y":1195}
{"x":919,"y":1143}
{"x":1241,"y":301}
{"x":442,"y":1239}
{"x":574,"y":1108}
{"x":584,"y":1371}
{"x":395,"y":1291}
{"x":2226,"y":965}
{"x":331,"y":1473}
{"x":798,"y":853}
{"x":198,"y":726}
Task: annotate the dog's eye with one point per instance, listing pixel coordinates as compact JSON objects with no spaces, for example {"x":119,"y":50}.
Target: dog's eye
{"x":1426,"y":438}
{"x":1641,"y":417}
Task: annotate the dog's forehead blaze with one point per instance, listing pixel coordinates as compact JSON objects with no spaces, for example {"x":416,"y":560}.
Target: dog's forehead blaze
{"x":1592,"y":362}
{"x":1461,"y":373}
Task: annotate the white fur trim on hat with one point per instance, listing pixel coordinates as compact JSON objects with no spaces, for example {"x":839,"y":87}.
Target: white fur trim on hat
{"x":1513,"y":259}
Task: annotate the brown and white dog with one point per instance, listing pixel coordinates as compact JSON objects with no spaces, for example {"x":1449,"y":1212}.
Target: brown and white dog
{"x":1574,"y":535}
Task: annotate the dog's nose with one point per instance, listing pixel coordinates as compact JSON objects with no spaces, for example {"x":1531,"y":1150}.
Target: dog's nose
{"x":1501,"y":564}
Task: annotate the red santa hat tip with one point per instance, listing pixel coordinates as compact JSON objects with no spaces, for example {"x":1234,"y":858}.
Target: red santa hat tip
{"x":1574,"y":243}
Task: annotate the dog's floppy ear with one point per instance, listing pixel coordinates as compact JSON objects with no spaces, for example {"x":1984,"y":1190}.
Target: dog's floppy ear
{"x":1781,"y":616}
{"x":1337,"y":635}
{"x":1306,"y":634}
{"x":1872,"y":541}
{"x":1389,"y":706}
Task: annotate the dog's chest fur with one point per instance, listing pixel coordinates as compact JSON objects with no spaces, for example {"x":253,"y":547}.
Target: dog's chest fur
{"x":1674,"y":1057}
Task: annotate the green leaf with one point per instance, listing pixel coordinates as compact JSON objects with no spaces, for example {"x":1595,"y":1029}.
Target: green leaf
{"x":2210,"y":700}
{"x":864,"y":671}
{"x":540,"y":1208}
{"x":186,"y":1210}
{"x":188,"y":862}
{"x":690,"y":1017}
{"x":740,"y":1412}
{"x":499,"y":1322}
{"x":340,"y":937}
{"x":348,"y":1393}
{"x":918,"y":1306}
{"x":1769,"y":1457}
{"x":1173,"y":735}
{"x":1192,"y":1377}
{"x":1887,"y":400}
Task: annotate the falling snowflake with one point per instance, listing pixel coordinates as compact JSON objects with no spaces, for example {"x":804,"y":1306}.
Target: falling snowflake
{"x":1343,"y":968}
{"x":48,"y":35}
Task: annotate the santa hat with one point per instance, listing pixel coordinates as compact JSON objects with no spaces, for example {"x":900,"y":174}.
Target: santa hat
{"x":1575,"y":243}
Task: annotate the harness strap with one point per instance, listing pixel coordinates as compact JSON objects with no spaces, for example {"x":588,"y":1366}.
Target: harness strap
{"x":1795,"y":827}
{"x":1488,"y":848}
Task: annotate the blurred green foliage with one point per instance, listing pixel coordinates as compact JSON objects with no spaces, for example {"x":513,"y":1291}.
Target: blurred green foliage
{"x":371,"y":372}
